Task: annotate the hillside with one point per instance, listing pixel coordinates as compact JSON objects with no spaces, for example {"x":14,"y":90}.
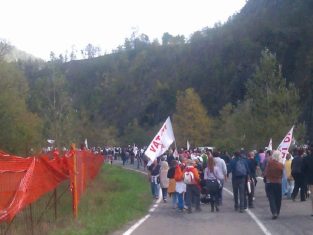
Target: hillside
{"x":134,"y":89}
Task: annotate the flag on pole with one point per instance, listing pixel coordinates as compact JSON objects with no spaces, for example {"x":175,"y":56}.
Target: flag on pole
{"x":285,"y":144}
{"x":162,"y":141}
{"x":188,"y":145}
{"x":50,"y":141}
{"x":86,"y":144}
{"x":270,"y":145}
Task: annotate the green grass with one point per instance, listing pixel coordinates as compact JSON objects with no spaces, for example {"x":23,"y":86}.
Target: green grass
{"x":114,"y":198}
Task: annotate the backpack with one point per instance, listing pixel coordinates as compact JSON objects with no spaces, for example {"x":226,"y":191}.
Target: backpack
{"x":241,"y":169}
{"x":189,"y":178}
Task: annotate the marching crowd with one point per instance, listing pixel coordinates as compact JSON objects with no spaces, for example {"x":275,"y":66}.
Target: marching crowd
{"x":197,"y":177}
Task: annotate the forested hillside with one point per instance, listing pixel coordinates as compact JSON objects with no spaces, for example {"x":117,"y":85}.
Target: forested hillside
{"x":121,"y":98}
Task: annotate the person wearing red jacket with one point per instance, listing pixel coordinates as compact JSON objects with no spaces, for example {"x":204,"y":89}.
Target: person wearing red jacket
{"x":192,"y":180}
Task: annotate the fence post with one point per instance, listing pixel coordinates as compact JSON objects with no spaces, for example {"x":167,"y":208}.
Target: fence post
{"x":55,"y":204}
{"x":31,"y":219}
{"x":75,"y":191}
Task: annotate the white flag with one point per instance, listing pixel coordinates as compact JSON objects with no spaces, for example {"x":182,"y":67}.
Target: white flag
{"x":188,"y":145}
{"x":270,"y":145}
{"x":86,"y":144}
{"x":50,"y":141}
{"x":285,"y":144}
{"x":162,"y":141}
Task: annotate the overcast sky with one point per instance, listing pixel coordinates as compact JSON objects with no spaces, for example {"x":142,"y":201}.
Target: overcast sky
{"x":41,"y":26}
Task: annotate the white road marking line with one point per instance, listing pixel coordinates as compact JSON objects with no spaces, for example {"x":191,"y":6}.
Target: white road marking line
{"x":253,"y":216}
{"x":152,"y":209}
{"x":136,"y":225}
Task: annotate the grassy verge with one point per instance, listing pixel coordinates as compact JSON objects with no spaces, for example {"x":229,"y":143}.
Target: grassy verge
{"x":115,"y":197}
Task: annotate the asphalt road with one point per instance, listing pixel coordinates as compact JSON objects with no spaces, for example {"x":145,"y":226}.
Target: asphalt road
{"x":162,"y":219}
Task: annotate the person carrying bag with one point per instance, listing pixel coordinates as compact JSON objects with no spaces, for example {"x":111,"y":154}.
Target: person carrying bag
{"x":212,"y":183}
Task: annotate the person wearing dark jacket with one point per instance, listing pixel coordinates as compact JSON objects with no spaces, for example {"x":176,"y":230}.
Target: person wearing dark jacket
{"x":307,"y":169}
{"x":297,"y":174}
{"x":252,"y":163}
{"x":154,"y":177}
{"x":240,"y":173}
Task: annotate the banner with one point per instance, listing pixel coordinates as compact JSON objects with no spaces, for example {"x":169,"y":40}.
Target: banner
{"x":188,"y":145}
{"x":270,"y":145}
{"x":285,"y":144}
{"x":162,"y":141}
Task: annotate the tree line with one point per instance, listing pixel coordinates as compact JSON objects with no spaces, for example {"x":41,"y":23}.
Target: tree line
{"x":236,"y":84}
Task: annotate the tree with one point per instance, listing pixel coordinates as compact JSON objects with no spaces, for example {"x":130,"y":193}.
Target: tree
{"x":274,"y":103}
{"x":232,"y":129}
{"x":269,"y":110}
{"x":50,"y":99}
{"x":91,"y":51}
{"x":190,"y":120}
{"x":133,"y":133}
{"x":168,"y":39}
{"x":5,"y":48}
{"x":20,"y":129}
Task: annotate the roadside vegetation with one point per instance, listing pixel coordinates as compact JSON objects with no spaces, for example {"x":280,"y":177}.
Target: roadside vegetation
{"x":115,"y":197}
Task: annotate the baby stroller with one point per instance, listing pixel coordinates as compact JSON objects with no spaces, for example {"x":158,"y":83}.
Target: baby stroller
{"x":204,"y":194}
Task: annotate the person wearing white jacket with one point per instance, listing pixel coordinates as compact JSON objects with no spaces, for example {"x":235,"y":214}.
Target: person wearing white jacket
{"x":222,"y":174}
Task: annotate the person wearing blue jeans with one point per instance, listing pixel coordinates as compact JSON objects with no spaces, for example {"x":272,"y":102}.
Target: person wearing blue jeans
{"x":180,"y":190}
{"x":174,"y":199}
{"x":154,"y":173}
{"x":180,"y":200}
{"x":155,"y":187}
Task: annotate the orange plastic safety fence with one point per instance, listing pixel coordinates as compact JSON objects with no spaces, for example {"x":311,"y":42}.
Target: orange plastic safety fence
{"x":87,"y":167}
{"x":24,"y":180}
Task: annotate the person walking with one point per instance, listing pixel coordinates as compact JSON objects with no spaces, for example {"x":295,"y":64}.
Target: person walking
{"x":180,"y":186}
{"x":154,"y":177}
{"x":164,"y":181}
{"x":290,"y":180}
{"x":212,"y":180}
{"x":296,"y":172}
{"x":240,"y":172}
{"x":252,"y":163}
{"x":192,"y":181}
{"x":171,"y":190}
{"x":273,"y":173}
{"x":222,"y":175}
{"x":307,"y":168}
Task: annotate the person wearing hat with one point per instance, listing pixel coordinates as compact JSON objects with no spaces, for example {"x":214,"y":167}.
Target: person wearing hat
{"x":192,"y":185}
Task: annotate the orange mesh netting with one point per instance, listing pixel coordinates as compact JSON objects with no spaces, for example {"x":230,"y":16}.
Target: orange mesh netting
{"x":24,"y":180}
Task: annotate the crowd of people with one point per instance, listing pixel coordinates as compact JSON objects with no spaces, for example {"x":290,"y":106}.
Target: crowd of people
{"x":193,"y":178}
